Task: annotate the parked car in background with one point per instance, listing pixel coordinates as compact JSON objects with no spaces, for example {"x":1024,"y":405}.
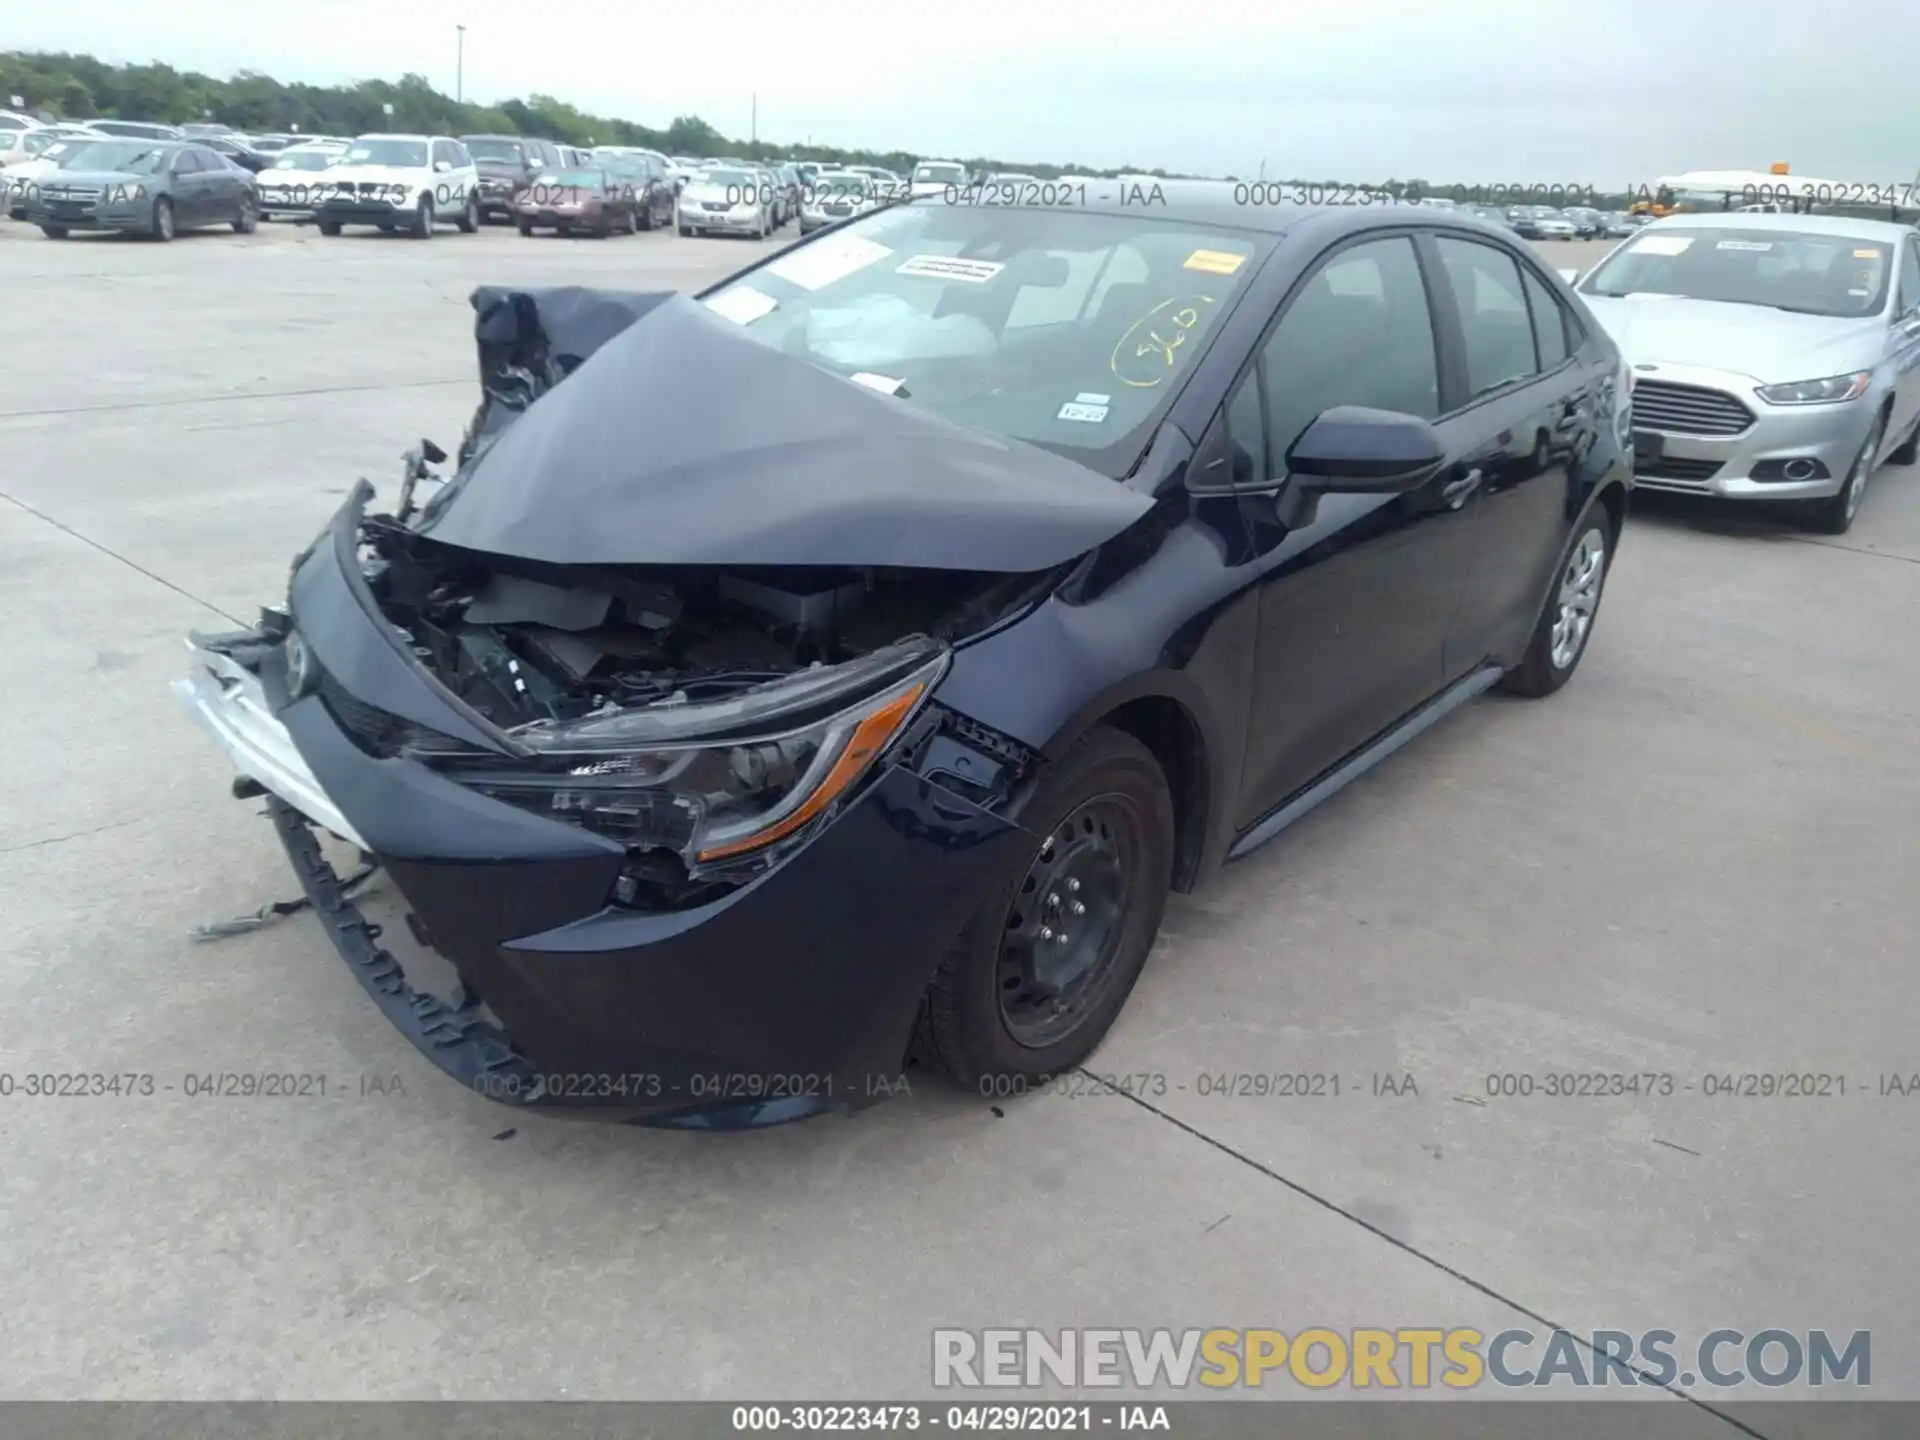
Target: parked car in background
{"x":588,"y":201}
{"x":888,"y":186}
{"x":273,"y":144}
{"x":201,"y":129}
{"x":21,"y":176}
{"x":1618,"y":224}
{"x":836,"y":195}
{"x":402,"y":182}
{"x":1588,"y":223}
{"x":14,"y":120}
{"x":787,"y":192}
{"x":155,"y":188}
{"x":239,"y":151}
{"x":1492,"y":214}
{"x":22,"y":147}
{"x":134,"y":129}
{"x":645,"y":178}
{"x":939,"y":177}
{"x":1541,"y":222}
{"x":507,"y":164}
{"x":1776,"y":357}
{"x":912,"y":691}
{"x":295,"y":182}
{"x":725,"y":200}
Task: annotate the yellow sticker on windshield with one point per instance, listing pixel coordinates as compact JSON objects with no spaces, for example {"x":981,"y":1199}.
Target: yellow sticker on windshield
{"x":1215,"y":262}
{"x":1866,"y":254}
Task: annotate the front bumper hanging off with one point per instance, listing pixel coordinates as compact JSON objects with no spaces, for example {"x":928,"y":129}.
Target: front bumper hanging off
{"x":792,"y":993}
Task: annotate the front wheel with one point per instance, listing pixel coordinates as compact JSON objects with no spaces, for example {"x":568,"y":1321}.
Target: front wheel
{"x":163,"y":219}
{"x":469,"y":221}
{"x":328,"y":227}
{"x":1836,"y":514}
{"x":1041,"y":969}
{"x":525,"y":228}
{"x":248,"y":220}
{"x":55,"y":232}
{"x":1560,"y":637}
{"x":422,"y":227}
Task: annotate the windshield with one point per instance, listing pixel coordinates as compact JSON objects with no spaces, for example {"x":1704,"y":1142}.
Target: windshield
{"x":483,"y":149}
{"x":727,"y":177}
{"x":589,"y":179}
{"x":1812,"y":274}
{"x":1066,"y":329}
{"x":130,"y":157}
{"x":305,"y":160}
{"x":387,"y":152}
{"x":130,"y":127}
{"x":940,"y":174}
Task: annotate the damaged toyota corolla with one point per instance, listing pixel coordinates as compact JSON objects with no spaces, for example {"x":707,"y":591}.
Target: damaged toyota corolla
{"x":841,"y":666}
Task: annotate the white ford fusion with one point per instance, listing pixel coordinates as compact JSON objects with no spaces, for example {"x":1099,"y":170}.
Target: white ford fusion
{"x":1774,"y":357}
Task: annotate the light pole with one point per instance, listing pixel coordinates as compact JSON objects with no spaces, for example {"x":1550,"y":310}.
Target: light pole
{"x":460,"y":66}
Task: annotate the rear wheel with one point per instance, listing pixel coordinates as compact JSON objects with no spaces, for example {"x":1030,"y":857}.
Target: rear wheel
{"x":55,"y":232}
{"x":1836,"y":514}
{"x":1909,"y":450}
{"x":1560,"y":637}
{"x":1041,"y":970}
{"x":643,"y":216}
{"x":248,"y":220}
{"x":469,"y":221}
{"x":686,"y":231}
{"x":525,"y":228}
{"x":328,"y":227}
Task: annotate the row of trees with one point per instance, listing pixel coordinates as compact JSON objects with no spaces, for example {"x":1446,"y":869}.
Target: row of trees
{"x":82,"y":87}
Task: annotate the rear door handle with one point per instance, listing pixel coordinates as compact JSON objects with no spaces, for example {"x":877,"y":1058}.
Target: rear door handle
{"x":1455,"y":492}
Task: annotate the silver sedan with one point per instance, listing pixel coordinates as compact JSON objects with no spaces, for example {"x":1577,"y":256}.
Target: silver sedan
{"x":1774,"y":357}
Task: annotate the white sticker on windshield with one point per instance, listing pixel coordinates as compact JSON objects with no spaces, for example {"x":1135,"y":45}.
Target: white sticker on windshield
{"x":1744,"y":245}
{"x":1663,"y":244}
{"x":1087,"y":397}
{"x":743,"y":304}
{"x":948,"y":267}
{"x":832,"y":258}
{"x":885,"y":384}
{"x":1074,"y":410}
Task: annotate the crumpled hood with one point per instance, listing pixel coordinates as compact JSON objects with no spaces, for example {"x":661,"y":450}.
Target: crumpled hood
{"x":1770,"y":346}
{"x":683,"y":442}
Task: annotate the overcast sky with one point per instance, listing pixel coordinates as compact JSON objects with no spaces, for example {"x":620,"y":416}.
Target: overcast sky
{"x":1608,"y":92}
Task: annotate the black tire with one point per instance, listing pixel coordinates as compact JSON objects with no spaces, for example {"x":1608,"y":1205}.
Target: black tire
{"x":248,"y":220}
{"x":974,"y":1025}
{"x":422,"y":226}
{"x":643,"y":217}
{"x":469,"y":221}
{"x":1909,"y":450}
{"x":328,"y":227}
{"x":55,"y":232}
{"x":1835,"y":515}
{"x":686,"y":232}
{"x":1549,"y":663}
{"x":526,"y":228}
{"x":163,"y":227}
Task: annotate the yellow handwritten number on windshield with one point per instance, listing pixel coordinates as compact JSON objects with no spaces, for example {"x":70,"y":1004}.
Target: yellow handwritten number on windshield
{"x":1150,"y":349}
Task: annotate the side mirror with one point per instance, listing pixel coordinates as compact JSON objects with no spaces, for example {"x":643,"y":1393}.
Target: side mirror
{"x":1351,"y":449}
{"x":1572,"y":277}
{"x":441,"y":167}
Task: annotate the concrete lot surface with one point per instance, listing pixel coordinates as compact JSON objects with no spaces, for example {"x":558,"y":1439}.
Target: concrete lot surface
{"x":1697,"y":860}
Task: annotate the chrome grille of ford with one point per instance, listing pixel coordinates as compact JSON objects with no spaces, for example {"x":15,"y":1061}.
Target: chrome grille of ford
{"x":1687,"y":409}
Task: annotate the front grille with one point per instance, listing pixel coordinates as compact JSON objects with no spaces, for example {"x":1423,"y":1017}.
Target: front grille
{"x":1677,"y":467}
{"x":838,"y":209}
{"x":715,"y":205}
{"x":1687,"y":409}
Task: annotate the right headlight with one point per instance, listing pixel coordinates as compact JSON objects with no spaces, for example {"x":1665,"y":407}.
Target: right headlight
{"x":1832,"y":389}
{"x":712,"y":781}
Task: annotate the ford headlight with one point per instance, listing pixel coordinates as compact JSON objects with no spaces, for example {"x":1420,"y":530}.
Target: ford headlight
{"x":1829,"y":391}
{"x":718,"y":780}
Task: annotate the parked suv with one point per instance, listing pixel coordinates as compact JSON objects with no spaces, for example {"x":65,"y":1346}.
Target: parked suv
{"x":507,"y":164}
{"x":800,"y":681}
{"x":401,"y":182}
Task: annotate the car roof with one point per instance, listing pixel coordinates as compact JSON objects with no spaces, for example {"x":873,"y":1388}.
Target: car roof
{"x":387,"y":135}
{"x":1796,"y":224}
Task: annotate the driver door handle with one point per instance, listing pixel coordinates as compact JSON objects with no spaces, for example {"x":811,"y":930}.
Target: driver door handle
{"x":1455,"y":492}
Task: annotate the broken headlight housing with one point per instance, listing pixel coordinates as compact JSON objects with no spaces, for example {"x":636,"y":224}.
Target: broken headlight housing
{"x":711,"y":782}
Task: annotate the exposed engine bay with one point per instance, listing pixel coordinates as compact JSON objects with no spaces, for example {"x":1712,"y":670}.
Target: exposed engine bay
{"x":523,"y":642}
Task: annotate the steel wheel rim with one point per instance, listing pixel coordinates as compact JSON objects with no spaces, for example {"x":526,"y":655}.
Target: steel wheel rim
{"x":1061,"y":937}
{"x":1579,"y":597}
